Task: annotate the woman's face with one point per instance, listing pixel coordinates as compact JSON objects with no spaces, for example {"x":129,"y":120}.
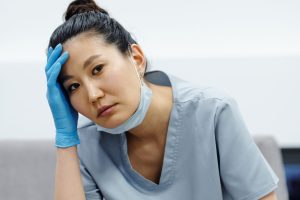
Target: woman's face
{"x":98,"y":77}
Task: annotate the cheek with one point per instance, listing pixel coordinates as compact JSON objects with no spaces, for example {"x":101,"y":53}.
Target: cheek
{"x":125,"y":87}
{"x":77,"y":105}
{"x":123,"y":79}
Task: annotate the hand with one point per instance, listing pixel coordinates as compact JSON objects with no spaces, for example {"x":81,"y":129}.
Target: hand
{"x":64,"y":115}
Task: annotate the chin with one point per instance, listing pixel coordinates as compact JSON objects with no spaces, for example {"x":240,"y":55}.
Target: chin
{"x":113,"y":121}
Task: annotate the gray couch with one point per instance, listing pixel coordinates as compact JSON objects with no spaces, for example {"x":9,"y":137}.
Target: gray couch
{"x":28,"y":168}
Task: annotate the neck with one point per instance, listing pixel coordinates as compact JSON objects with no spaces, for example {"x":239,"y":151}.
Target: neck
{"x":154,"y":127}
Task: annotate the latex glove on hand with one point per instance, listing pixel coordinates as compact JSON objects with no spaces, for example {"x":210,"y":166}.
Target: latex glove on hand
{"x":64,"y":115}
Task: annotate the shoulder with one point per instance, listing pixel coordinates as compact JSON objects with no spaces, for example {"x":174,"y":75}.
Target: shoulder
{"x":185,"y":91}
{"x":193,"y":97}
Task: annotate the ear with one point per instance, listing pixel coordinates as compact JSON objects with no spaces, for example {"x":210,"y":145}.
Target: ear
{"x":139,"y":58}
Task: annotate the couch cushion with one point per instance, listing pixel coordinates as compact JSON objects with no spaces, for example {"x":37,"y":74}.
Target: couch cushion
{"x":27,"y":169}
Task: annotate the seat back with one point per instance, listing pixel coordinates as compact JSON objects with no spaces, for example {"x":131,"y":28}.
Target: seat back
{"x":272,"y":153}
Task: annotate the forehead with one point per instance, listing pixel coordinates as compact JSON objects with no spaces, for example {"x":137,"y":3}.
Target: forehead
{"x":83,"y":46}
{"x":84,"y":43}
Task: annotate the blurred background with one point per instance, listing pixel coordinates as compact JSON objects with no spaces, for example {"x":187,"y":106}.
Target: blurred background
{"x":249,"y":49}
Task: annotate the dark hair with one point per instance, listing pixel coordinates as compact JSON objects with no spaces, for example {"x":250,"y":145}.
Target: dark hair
{"x":86,"y":16}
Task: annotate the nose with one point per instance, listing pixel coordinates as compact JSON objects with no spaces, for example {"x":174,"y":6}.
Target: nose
{"x":94,"y":93}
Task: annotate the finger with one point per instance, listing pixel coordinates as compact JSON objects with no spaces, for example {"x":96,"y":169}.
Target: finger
{"x":61,"y":60}
{"x":50,"y":50}
{"x":54,"y":56}
{"x":53,"y":76}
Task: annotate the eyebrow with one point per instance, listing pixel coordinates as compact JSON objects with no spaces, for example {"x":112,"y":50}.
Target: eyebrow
{"x":88,"y":61}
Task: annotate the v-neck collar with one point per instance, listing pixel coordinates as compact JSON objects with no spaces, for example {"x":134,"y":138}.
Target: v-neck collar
{"x":170,"y":152}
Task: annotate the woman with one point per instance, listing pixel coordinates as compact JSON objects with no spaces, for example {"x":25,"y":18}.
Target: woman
{"x":148,"y":135}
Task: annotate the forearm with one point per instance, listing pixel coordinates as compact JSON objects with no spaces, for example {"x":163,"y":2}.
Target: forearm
{"x":270,"y":196}
{"x":68,"y":183}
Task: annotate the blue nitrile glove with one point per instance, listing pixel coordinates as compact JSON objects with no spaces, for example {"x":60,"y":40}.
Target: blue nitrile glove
{"x":64,"y":115}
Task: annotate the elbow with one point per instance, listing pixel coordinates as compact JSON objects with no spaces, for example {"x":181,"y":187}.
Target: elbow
{"x":270,"y":196}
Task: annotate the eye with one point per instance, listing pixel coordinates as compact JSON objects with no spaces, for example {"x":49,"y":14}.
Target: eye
{"x":97,"y":69}
{"x":72,"y":87}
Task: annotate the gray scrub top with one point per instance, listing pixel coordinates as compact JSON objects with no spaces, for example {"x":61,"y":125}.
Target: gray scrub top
{"x":209,"y":153}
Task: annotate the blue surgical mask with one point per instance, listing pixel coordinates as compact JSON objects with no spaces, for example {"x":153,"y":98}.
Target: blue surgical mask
{"x":137,"y":118}
{"x":139,"y":115}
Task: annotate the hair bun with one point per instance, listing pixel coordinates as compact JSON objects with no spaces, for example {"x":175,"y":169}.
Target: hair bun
{"x":81,"y":6}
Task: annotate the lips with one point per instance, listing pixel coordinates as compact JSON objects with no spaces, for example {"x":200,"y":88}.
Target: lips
{"x":103,"y":109}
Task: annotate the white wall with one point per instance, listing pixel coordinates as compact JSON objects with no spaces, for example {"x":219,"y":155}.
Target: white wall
{"x":251,"y":49}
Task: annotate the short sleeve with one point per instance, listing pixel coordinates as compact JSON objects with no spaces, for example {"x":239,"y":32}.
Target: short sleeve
{"x":92,"y":192}
{"x":244,"y":172}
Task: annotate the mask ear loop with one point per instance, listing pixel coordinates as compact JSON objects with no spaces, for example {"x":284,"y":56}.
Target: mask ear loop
{"x":135,"y":67}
